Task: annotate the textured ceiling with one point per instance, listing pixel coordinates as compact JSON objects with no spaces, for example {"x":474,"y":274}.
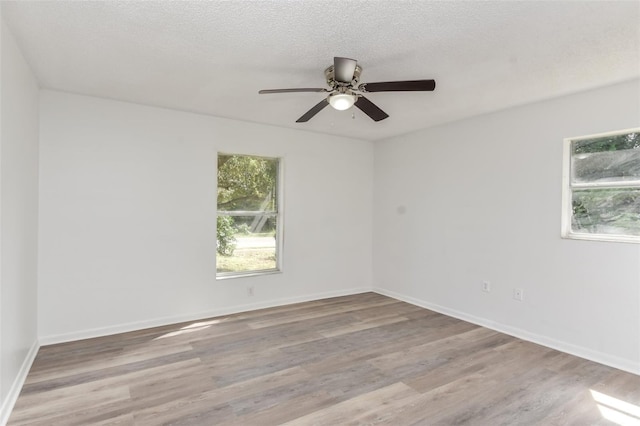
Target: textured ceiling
{"x":213,"y":57}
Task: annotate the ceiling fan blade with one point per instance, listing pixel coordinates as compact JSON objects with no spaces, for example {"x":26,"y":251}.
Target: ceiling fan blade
{"x":313,"y":111}
{"x":399,"y":86}
{"x":302,"y":89}
{"x":370,"y":109}
{"x":343,"y":69}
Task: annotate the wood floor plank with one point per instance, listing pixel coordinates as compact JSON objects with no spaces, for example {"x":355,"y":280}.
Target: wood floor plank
{"x":354,"y":410}
{"x":325,"y":311}
{"x":217,"y":399}
{"x":363,"y":325}
{"x":86,"y":402}
{"x":360,"y":359}
{"x":90,"y":364}
{"x":290,"y":409}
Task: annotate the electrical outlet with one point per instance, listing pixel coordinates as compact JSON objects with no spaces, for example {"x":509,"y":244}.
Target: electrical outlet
{"x":486,"y":286}
{"x":250,"y":291}
{"x":518,"y":294}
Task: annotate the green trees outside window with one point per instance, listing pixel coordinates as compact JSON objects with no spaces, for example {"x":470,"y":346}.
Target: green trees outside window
{"x":248,"y":214}
{"x":604,"y":186}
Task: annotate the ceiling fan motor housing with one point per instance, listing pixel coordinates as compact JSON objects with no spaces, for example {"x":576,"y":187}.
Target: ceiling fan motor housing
{"x":330,"y":76}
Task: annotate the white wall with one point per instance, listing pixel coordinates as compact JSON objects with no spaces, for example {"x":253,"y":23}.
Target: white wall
{"x":18,"y":220}
{"x":482,"y":201}
{"x":127,"y":216}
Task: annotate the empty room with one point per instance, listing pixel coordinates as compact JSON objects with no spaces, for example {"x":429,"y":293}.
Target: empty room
{"x":320,"y":212}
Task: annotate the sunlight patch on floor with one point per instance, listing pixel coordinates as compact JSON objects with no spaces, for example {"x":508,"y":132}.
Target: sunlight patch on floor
{"x":196,"y":326}
{"x":616,"y":410}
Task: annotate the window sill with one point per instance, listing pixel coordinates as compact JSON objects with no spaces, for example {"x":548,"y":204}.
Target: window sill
{"x":604,"y":238}
{"x":231,"y":275}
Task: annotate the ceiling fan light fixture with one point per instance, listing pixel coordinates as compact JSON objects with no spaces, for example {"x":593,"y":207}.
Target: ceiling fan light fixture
{"x":342,"y":101}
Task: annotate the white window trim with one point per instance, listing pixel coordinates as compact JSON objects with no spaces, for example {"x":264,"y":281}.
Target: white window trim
{"x":279,"y":222}
{"x":567,"y":193}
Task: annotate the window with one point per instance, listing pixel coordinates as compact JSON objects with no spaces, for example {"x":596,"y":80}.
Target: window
{"x":601,"y":192}
{"x":249,"y":220}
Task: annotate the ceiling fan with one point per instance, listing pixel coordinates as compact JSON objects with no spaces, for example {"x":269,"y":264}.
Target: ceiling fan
{"x":343,"y":78}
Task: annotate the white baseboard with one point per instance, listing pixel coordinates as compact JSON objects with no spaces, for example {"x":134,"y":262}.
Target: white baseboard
{"x":16,"y":386}
{"x":579,"y":351}
{"x":157,"y":322}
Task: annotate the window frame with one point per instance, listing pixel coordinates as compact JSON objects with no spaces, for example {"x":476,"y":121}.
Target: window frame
{"x":278,"y":214}
{"x":568,"y":187}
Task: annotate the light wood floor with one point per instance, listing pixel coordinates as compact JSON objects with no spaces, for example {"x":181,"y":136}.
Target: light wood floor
{"x":363,"y":359}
